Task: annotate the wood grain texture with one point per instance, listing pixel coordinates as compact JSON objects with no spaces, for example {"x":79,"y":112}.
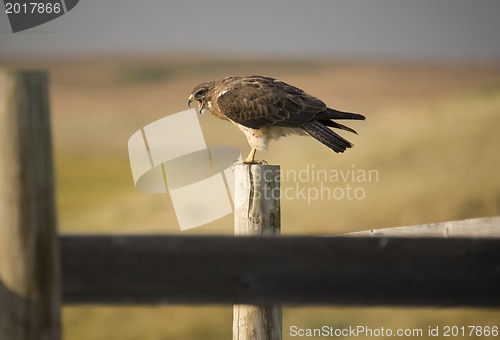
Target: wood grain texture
{"x":29,"y":281}
{"x":257,"y":212}
{"x":257,"y":199}
{"x":363,"y":271}
{"x":486,"y":227}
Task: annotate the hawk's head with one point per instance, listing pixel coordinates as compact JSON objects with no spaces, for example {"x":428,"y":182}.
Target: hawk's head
{"x":200,"y":94}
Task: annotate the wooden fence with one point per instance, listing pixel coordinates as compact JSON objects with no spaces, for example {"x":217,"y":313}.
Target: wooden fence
{"x":29,"y":255}
{"x":359,"y":269}
{"x":286,"y":270}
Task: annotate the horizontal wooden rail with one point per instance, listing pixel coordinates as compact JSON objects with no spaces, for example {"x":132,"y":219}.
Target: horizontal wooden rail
{"x":475,"y":227}
{"x":287,"y":270}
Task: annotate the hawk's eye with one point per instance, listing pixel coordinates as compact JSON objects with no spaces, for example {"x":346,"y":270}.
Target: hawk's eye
{"x":200,"y":93}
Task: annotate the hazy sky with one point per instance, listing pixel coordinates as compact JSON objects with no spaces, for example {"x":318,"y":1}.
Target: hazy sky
{"x":414,"y":29}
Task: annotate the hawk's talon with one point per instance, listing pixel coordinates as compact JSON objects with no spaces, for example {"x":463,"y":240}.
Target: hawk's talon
{"x":251,"y":157}
{"x":261,"y":162}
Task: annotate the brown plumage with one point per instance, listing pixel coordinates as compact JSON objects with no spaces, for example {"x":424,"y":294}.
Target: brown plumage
{"x":265,"y":108}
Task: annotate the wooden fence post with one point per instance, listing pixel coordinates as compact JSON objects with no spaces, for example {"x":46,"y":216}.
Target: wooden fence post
{"x":257,"y":212}
{"x":29,"y":266}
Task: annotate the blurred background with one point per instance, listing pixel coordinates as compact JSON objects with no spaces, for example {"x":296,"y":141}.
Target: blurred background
{"x":426,"y":75}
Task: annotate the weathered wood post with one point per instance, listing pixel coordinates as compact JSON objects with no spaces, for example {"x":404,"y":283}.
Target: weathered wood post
{"x":257,"y":212}
{"x":29,"y":266}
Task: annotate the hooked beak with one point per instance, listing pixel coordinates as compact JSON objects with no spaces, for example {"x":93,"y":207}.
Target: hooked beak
{"x":190,"y":100}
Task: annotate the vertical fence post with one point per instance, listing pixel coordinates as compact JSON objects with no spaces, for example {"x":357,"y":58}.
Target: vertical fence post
{"x":257,"y":212}
{"x":29,"y":266}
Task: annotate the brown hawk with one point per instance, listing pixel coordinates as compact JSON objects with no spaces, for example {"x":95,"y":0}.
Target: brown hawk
{"x":265,"y":108}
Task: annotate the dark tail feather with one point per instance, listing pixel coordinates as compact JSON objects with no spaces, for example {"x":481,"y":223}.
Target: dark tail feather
{"x":326,"y":136}
{"x":333,"y":124}
{"x":335,"y":114}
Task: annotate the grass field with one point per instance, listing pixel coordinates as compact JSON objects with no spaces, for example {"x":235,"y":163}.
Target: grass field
{"x":430,"y":135}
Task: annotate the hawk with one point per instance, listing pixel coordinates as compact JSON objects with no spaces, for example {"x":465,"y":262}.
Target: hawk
{"x":265,"y":108}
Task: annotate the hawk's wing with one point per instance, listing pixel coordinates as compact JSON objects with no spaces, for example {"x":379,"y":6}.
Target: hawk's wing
{"x":259,"y":102}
